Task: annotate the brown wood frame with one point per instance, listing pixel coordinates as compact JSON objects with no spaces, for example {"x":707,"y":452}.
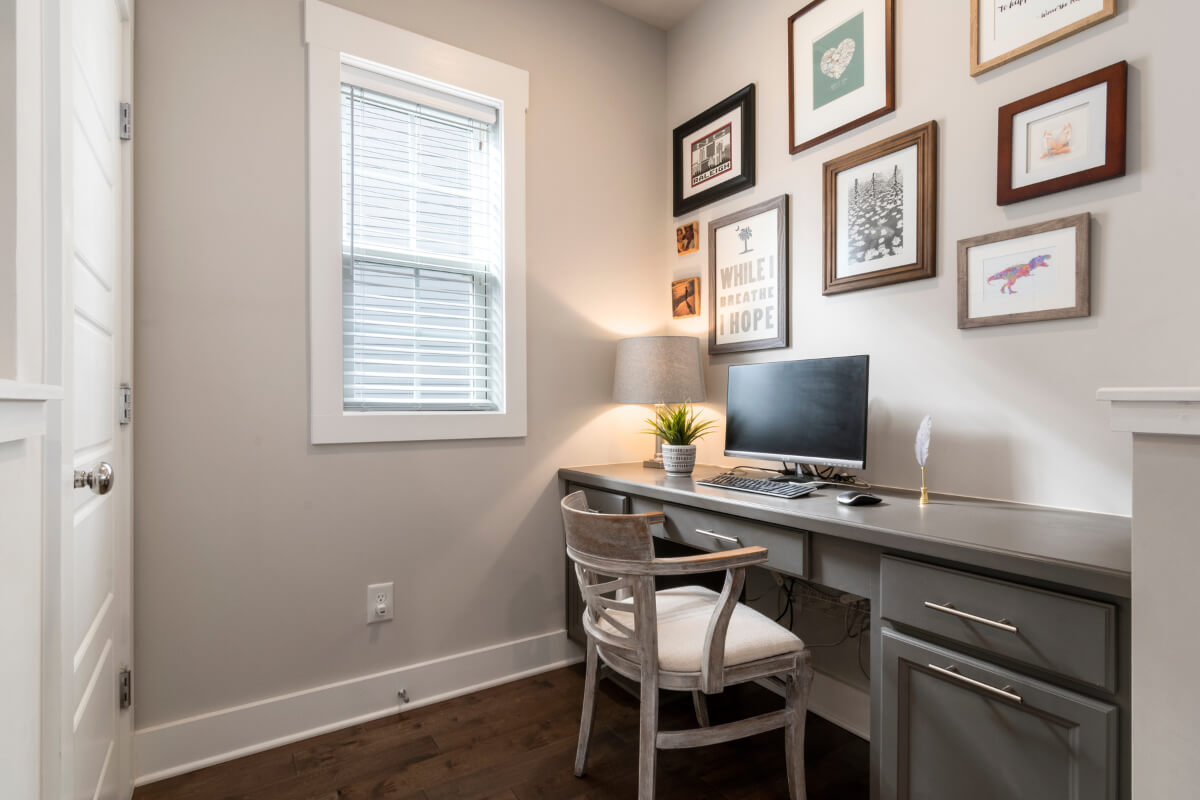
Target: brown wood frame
{"x":1115,"y":76}
{"x":1082,"y":307}
{"x":1108,"y":12}
{"x":925,"y":138}
{"x":784,"y":326}
{"x":889,"y":105}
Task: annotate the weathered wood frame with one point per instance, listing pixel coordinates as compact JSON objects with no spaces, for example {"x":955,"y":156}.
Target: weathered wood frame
{"x":783,"y":243}
{"x":1082,"y":306}
{"x":925,"y":138}
{"x":614,"y":553}
{"x":889,"y":104}
{"x":1108,"y":12}
{"x":1115,"y":76}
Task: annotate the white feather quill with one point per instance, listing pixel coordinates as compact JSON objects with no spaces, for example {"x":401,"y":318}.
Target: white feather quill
{"x":923,"y":439}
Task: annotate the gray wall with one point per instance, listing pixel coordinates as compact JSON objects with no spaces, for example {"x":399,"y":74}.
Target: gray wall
{"x":1013,"y":406}
{"x":253,"y":548}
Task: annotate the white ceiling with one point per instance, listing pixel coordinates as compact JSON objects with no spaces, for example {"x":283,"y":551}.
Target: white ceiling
{"x":659,"y":13}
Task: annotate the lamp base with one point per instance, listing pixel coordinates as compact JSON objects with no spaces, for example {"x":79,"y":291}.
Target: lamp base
{"x":653,"y":463}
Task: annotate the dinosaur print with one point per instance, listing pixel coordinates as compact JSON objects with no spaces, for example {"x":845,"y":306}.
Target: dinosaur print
{"x":1012,"y":274}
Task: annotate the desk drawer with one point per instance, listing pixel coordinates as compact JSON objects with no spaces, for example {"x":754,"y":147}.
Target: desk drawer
{"x":713,"y":532}
{"x":601,"y":500}
{"x":1055,"y":632}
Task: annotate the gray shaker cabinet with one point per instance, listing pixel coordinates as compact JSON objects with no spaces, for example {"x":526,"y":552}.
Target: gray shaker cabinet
{"x":957,"y":727}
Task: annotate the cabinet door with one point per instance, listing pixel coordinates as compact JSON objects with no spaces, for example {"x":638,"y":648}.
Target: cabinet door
{"x":955,"y":727}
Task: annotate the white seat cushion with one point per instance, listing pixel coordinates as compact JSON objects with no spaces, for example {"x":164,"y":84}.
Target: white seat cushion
{"x":683,"y":617}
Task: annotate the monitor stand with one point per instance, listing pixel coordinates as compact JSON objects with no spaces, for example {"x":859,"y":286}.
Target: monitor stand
{"x":802,"y":473}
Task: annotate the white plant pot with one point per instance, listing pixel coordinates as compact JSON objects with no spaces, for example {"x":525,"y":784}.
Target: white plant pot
{"x":679,"y":459}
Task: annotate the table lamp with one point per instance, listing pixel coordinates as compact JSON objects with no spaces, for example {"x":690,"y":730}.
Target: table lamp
{"x":658,"y":370}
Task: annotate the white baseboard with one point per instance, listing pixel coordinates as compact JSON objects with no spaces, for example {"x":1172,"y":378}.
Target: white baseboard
{"x":844,"y":705}
{"x":188,"y":744}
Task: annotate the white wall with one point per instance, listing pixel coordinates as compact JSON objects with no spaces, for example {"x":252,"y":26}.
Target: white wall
{"x":253,"y":548}
{"x":1013,"y":408}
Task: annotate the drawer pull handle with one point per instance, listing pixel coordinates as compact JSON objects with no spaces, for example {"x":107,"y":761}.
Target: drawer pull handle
{"x":721,"y":536}
{"x":952,"y":672}
{"x":946,"y":608}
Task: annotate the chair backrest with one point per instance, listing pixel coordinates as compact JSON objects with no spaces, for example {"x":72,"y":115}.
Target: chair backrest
{"x":603,"y":547}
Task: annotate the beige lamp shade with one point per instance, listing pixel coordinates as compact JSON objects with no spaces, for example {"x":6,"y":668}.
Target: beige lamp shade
{"x":658,"y":369}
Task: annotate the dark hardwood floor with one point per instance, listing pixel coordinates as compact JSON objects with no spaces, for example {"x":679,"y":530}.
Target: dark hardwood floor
{"x":517,"y":742}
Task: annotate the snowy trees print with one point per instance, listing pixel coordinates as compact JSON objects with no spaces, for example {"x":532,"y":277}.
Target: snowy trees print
{"x":876,"y":216}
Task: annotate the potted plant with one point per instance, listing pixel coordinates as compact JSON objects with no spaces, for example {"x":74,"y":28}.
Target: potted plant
{"x":680,"y":428}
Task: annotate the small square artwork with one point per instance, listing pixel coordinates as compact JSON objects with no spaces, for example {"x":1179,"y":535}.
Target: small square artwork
{"x":1026,"y":274}
{"x":838,"y":58}
{"x":712,"y":155}
{"x":687,"y":238}
{"x":685,"y":298}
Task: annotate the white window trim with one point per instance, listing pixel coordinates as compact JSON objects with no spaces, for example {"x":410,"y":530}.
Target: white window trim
{"x":329,"y":33}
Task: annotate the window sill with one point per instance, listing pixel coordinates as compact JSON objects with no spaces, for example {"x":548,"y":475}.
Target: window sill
{"x":414,"y":426}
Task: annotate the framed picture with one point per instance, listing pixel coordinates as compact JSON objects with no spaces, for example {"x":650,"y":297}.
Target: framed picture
{"x":748,"y":266}
{"x":685,"y":298}
{"x":841,"y":68}
{"x":713,"y":153}
{"x":881,"y":213}
{"x":1026,"y":274}
{"x":1004,"y":30}
{"x":1068,"y":136}
{"x":687,"y":238}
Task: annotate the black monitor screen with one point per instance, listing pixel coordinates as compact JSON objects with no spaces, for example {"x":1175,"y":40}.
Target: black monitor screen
{"x":807,"y":412}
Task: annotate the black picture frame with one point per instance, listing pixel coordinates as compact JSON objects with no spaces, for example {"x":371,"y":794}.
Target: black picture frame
{"x":742,"y":99}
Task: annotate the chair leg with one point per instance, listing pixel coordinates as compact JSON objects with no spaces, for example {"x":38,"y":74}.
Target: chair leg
{"x":700,"y":704}
{"x":798,"y":685}
{"x":648,"y":735}
{"x":588,"y":715}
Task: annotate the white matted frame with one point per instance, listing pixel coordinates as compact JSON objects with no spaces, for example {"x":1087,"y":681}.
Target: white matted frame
{"x":1003,"y":31}
{"x":333,"y":36}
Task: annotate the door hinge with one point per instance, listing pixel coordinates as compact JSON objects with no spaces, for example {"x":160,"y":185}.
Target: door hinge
{"x":125,"y":687}
{"x":125,"y":404}
{"x":126,"y":121}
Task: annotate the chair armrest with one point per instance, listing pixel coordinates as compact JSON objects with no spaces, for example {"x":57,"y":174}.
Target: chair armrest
{"x":708,"y":562}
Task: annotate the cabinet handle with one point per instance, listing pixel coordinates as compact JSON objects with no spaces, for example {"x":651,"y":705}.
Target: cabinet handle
{"x":953,"y":673}
{"x":946,"y":608}
{"x":720,"y":536}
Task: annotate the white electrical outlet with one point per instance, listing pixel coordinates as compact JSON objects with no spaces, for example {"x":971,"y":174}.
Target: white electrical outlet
{"x":379,"y":602}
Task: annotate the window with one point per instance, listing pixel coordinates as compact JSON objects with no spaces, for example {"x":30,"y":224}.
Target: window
{"x":416,"y":235}
{"x":422,"y":250}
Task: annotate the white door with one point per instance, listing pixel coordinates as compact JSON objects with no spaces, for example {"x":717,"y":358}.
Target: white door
{"x":93,"y":558}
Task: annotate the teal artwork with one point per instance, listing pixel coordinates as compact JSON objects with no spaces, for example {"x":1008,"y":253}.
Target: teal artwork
{"x":838,"y":62}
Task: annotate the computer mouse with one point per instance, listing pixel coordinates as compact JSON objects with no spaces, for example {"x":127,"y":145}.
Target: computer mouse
{"x":856,"y":498}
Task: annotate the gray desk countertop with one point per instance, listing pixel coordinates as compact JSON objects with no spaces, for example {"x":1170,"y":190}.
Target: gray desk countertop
{"x":1087,"y":550}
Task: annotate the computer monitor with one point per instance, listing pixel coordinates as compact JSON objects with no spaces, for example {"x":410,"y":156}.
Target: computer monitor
{"x":803,"y":412}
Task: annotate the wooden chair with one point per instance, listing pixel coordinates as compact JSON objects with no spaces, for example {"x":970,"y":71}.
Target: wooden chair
{"x":686,"y":639}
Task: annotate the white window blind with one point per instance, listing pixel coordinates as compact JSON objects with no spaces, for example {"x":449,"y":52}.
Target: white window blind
{"x":422,"y":249}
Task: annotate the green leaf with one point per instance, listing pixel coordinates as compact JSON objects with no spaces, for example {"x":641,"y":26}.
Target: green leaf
{"x":679,"y":425}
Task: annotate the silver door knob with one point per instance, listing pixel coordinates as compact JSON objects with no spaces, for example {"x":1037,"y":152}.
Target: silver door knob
{"x":99,"y":479}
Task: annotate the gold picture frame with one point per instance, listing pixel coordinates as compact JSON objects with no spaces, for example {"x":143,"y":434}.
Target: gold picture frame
{"x":987,"y":15}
